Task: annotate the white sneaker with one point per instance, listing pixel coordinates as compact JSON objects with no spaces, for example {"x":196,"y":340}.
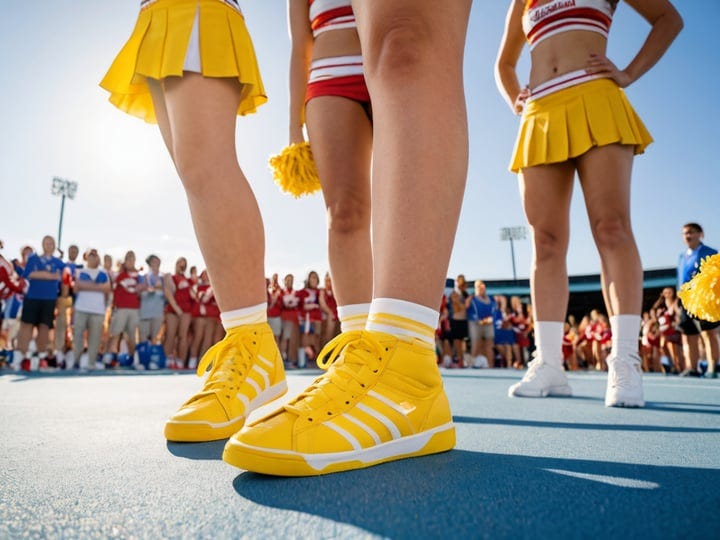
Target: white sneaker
{"x":70,"y":360}
{"x":541,"y":380}
{"x":17,"y":360}
{"x":624,"y":385}
{"x":480,"y":362}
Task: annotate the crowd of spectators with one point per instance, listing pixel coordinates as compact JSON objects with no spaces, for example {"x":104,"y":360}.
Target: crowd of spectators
{"x":89,"y":313}
{"x":480,"y":331}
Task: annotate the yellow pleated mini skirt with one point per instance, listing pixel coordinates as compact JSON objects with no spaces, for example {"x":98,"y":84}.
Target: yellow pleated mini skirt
{"x":158,"y":45}
{"x":569,"y":122}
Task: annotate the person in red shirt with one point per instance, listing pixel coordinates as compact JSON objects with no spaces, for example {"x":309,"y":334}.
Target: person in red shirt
{"x":568,"y":347}
{"x":205,"y":319}
{"x":602,"y":338}
{"x":10,"y":282}
{"x":178,"y":315}
{"x":289,"y":313}
{"x":310,"y":318}
{"x":125,"y":318}
{"x":328,"y":305}
{"x":10,"y":285}
{"x":521,"y":324}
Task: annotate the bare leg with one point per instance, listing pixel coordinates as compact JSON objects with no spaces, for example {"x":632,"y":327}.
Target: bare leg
{"x":605,"y":178}
{"x":172,"y":322}
{"x":710,"y":337}
{"x":43,"y":334}
{"x":197,"y":120}
{"x":198,"y":332}
{"x":24,"y":337}
{"x":341,"y":137}
{"x":546,"y":193}
{"x":183,"y":331}
{"x":420,"y":156}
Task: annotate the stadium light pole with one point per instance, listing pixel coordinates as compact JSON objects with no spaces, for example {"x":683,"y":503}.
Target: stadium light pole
{"x":512,"y":234}
{"x":64,"y":188}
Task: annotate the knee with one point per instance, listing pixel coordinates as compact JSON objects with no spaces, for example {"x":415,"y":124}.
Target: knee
{"x":550,"y":245}
{"x":195,"y":167}
{"x":348,"y":217}
{"x":398,"y":46}
{"x":612,"y":232}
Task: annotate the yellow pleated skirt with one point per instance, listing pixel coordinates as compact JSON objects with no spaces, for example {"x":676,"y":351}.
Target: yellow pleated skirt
{"x":158,"y":45}
{"x":569,"y":122}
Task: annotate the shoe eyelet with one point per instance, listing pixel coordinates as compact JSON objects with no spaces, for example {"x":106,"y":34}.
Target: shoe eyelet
{"x":375,"y":370}
{"x":387,"y":349}
{"x":362,"y":384}
{"x":329,"y":413}
{"x":310,"y":419}
{"x":347,"y":403}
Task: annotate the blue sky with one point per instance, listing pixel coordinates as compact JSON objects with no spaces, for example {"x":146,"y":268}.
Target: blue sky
{"x":57,"y":121}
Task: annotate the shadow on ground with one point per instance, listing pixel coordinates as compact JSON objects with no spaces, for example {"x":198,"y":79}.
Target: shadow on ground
{"x":462,"y":494}
{"x":200,"y":451}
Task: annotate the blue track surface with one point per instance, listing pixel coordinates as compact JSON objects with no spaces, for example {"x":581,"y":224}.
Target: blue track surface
{"x":84,"y":457}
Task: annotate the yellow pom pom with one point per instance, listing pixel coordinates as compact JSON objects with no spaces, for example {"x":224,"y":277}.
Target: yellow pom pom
{"x":701,"y":295}
{"x":294,"y":170}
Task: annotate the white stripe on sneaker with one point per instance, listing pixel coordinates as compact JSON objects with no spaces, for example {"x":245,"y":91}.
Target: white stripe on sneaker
{"x":255,"y":385}
{"x":362,"y":425}
{"x":387,"y":402}
{"x":265,"y":361}
{"x":345,"y":435}
{"x":384,"y":420}
{"x":264,"y":374}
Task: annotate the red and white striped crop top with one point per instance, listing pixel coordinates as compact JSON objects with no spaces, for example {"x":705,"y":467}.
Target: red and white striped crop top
{"x":326,"y":15}
{"x":545,"y":20}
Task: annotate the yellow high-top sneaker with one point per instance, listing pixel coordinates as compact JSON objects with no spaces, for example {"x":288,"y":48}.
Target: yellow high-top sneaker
{"x":247,"y":372}
{"x":381,"y":399}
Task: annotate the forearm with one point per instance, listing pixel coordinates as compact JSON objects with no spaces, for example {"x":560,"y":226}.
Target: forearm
{"x":44,"y":275}
{"x":299,"y":66}
{"x":507,"y":83}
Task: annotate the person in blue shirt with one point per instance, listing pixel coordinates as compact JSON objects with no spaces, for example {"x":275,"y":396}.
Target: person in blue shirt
{"x":481,"y":318}
{"x":691,"y":327}
{"x":44,"y":273}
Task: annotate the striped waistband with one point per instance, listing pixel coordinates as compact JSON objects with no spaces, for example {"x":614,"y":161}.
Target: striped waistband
{"x":232,"y":3}
{"x":563,"y":81}
{"x":337,"y":66}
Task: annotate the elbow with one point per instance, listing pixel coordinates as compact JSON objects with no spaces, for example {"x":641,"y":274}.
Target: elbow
{"x":673,"y":22}
{"x":678,"y":24}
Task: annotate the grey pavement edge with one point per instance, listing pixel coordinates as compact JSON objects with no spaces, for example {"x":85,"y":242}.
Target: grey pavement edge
{"x":84,"y":457}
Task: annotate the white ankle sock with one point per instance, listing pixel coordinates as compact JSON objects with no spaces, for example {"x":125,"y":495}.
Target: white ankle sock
{"x":405,"y":320}
{"x":625,"y":331}
{"x":353,"y":316}
{"x":548,"y":341}
{"x":248,"y":315}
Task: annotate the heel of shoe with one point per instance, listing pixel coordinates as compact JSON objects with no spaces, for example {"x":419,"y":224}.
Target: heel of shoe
{"x":441,"y":441}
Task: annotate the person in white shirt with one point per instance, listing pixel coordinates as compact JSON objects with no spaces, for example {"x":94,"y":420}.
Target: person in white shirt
{"x":92,"y":287}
